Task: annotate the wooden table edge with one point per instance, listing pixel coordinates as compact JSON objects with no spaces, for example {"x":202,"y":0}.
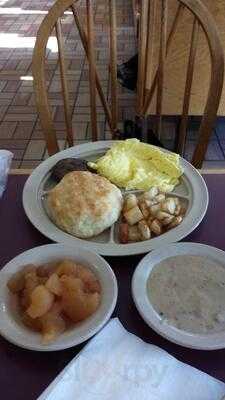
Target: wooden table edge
{"x":20,"y":171}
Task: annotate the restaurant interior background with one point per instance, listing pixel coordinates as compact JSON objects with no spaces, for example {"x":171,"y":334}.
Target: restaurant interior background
{"x":20,"y":130}
{"x":56,"y":291}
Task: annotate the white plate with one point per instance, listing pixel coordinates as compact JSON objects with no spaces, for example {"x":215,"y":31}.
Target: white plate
{"x":192,"y":189}
{"x":12,"y":328}
{"x":210,"y":341}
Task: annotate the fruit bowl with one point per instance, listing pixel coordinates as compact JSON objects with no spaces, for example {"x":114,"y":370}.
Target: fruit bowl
{"x":11,"y":326}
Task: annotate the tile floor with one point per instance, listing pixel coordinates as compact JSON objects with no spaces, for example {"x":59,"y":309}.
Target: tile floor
{"x":20,"y":129}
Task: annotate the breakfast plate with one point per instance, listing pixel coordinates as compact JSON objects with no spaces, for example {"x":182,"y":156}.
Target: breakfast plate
{"x":191,"y":189}
{"x":11,"y":326}
{"x":194,"y":336}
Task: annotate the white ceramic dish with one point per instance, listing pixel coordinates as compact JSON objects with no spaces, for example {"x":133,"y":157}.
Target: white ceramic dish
{"x":192,"y":190}
{"x":210,"y":341}
{"x":12,"y":328}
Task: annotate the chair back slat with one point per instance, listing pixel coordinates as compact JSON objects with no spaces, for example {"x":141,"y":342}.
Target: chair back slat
{"x":65,"y":92}
{"x":161,"y":69}
{"x":113,"y":62}
{"x":151,"y":33}
{"x":86,"y":32}
{"x":188,"y":85}
{"x":41,"y":96}
{"x":208,"y":25}
{"x":179,"y":12}
{"x":84,"y":41}
{"x":142,"y":54}
{"x":92,"y":69}
{"x":149,"y":83}
{"x":204,"y":20}
{"x":151,"y":91}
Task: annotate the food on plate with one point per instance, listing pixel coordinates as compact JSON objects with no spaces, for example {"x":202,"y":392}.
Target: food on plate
{"x":52,"y":296}
{"x":84,"y":204}
{"x":188,"y":292}
{"x":19,"y":280}
{"x":41,"y":301}
{"x":63,"y":167}
{"x":53,"y":284}
{"x":77,"y":304}
{"x":52,"y":323}
{"x":149,"y":214}
{"x":131,"y":164}
{"x":68,"y":267}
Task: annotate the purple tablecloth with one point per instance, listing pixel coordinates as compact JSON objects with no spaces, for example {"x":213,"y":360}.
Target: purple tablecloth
{"x":25,"y":374}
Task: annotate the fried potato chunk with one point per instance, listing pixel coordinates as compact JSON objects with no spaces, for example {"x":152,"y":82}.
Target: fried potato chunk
{"x":31,"y":282}
{"x":41,"y":302}
{"x":54,"y":296}
{"x":17,"y":281}
{"x":91,"y":283}
{"x":32,"y":323}
{"x":45,"y":270}
{"x":76,"y":303}
{"x":52,"y":323}
{"x":53,"y":284}
{"x":66,"y":267}
{"x":42,"y":280}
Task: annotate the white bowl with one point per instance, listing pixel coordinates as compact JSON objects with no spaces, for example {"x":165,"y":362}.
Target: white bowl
{"x":13,"y":329}
{"x":208,"y":341}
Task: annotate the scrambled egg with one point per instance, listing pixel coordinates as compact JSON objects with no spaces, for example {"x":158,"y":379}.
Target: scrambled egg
{"x":131,"y":164}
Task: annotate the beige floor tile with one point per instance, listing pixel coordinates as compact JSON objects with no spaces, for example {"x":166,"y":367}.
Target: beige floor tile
{"x":83,"y":100}
{"x":15,"y":164}
{"x":83,"y":115}
{"x":77,"y":142}
{"x":3,"y":110}
{"x":17,"y":154}
{"x":101,"y":131}
{"x":35,"y":150}
{"x":77,"y":117}
{"x":7,"y":129}
{"x":80,"y":130}
{"x":13,"y":144}
{"x":5,"y":102}
{"x":26,"y":89}
{"x":30,"y":163}
{"x":37,"y":134}
{"x":21,"y":109}
{"x":17,"y":101}
{"x":108,"y":136}
{"x":24,"y":130}
{"x":20,"y":117}
{"x":7,"y":95}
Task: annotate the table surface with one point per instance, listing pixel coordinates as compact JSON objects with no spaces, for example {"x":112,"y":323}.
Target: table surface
{"x":24,"y":373}
{"x":176,"y":62}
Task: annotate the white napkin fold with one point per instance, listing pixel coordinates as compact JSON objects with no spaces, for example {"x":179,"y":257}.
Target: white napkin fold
{"x":117,"y":365}
{"x":5,"y":162}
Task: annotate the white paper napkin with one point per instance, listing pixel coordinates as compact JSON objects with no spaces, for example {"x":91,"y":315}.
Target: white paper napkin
{"x":117,"y":365}
{"x":5,"y":162}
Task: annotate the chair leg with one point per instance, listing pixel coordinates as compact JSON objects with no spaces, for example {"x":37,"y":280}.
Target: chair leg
{"x":145,"y":133}
{"x":128,"y":129}
{"x":177,"y":131}
{"x":141,"y":128}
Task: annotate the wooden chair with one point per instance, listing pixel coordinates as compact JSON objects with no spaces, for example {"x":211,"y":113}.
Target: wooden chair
{"x":86,"y":30}
{"x":151,"y":82}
